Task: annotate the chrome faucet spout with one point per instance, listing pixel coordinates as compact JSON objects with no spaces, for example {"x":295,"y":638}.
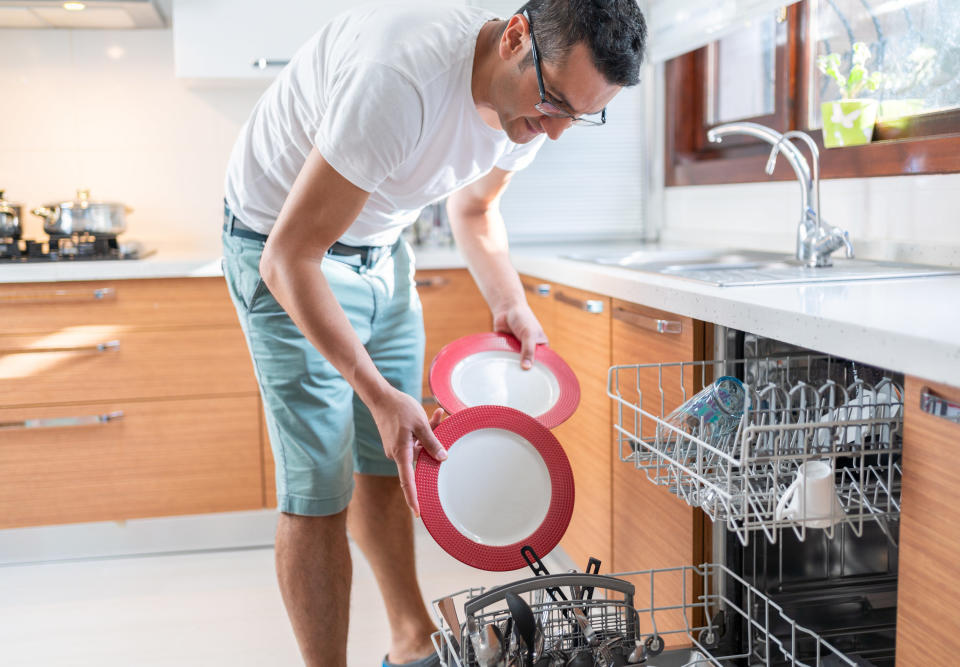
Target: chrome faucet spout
{"x":816,"y":239}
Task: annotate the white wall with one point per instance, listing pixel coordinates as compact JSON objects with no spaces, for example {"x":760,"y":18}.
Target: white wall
{"x":101,"y":109}
{"x":907,"y":218}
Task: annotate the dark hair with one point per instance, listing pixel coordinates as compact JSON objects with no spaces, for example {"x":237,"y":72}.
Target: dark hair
{"x":614,"y":31}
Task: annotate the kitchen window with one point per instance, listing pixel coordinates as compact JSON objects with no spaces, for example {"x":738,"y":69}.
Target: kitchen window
{"x":766,"y":71}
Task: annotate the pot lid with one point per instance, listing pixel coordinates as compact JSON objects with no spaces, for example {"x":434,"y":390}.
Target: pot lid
{"x":83,"y":201}
{"x":4,"y":201}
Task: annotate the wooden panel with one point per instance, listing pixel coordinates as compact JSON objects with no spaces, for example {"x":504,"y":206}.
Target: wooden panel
{"x":540,"y":301}
{"x":929,"y":578}
{"x":162,"y":458}
{"x":147,"y":364}
{"x":583,"y":340}
{"x":174,"y":302}
{"x":452,"y":307}
{"x":651,"y":527}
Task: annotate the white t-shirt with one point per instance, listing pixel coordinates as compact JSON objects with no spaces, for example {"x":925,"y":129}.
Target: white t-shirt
{"x":384,"y":94}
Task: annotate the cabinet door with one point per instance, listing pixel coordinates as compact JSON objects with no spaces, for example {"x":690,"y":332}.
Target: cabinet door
{"x":581,"y":335}
{"x":652,"y":528}
{"x":539,"y":295}
{"x":452,"y":307}
{"x":929,"y":577}
{"x":160,"y":458}
{"x":245,"y":39}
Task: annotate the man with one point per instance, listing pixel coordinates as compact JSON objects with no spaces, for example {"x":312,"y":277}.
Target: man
{"x":385,"y":110}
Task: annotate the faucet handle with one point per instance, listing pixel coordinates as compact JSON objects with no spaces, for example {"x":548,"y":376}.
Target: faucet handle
{"x":847,"y":245}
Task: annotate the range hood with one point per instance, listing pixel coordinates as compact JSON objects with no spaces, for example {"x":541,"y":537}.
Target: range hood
{"x":103,"y":14}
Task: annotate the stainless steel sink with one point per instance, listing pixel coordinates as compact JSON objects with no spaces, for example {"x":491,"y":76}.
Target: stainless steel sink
{"x":733,"y":268}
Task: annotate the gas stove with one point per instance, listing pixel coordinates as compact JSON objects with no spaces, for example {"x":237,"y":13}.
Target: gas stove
{"x":75,"y":248}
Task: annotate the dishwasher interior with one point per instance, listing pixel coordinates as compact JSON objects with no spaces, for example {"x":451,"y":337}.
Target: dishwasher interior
{"x":783,"y":584}
{"x":840,"y":583}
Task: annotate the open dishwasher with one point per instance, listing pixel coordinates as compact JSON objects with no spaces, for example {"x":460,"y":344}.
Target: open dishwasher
{"x":782,"y":587}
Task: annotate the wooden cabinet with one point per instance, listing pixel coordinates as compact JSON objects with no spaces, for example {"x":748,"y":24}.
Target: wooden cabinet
{"x":168,"y":355}
{"x":580,"y":333}
{"x":652,"y":528}
{"x":929,"y":576}
{"x":452,"y":307}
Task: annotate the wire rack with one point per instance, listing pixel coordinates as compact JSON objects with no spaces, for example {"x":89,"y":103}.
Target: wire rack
{"x":798,"y":408}
{"x":772,"y":638}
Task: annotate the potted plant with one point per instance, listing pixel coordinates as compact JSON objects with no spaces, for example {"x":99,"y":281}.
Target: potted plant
{"x":849,"y":121}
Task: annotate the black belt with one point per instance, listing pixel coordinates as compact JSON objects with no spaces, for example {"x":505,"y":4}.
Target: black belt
{"x":365,"y":255}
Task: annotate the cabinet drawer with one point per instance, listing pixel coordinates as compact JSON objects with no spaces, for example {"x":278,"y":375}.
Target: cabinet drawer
{"x":160,"y":458}
{"x":82,"y":364}
{"x":28,"y":307}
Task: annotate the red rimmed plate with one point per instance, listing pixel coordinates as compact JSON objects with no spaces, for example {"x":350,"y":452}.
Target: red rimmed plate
{"x":506,"y":483}
{"x":484,"y":369}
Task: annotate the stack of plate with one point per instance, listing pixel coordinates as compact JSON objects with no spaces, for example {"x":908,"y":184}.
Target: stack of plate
{"x":506,"y":481}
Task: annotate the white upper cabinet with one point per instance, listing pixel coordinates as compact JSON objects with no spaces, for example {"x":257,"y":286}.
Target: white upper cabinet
{"x":237,"y":40}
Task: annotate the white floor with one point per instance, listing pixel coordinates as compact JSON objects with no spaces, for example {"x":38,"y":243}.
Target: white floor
{"x":205,"y":608}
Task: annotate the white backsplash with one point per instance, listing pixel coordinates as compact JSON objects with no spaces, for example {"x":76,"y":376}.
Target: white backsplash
{"x":101,"y":109}
{"x":906,"y":218}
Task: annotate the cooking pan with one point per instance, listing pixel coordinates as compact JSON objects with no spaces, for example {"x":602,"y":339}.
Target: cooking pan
{"x":83,"y":216}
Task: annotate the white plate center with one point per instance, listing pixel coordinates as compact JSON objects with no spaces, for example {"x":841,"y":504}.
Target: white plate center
{"x":494,"y":487}
{"x":495,"y":377}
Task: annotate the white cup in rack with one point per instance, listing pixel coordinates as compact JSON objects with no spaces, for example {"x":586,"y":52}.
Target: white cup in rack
{"x":812,"y":498}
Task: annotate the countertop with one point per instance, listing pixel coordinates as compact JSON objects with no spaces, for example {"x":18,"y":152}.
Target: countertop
{"x":911,"y":325}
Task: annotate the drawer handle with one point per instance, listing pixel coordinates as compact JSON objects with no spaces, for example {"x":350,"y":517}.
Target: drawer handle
{"x":541,"y":289}
{"x":264,"y":63}
{"x":647,"y":322}
{"x":939,"y":407}
{"x":589,"y":305}
{"x":60,"y":422}
{"x":435,"y":281}
{"x":107,"y":346}
{"x":60,"y":295}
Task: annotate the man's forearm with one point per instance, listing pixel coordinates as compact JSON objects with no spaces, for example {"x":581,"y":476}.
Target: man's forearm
{"x":482,"y":238}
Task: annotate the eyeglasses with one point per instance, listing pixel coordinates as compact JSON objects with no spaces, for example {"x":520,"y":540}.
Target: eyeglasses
{"x":550,"y":109}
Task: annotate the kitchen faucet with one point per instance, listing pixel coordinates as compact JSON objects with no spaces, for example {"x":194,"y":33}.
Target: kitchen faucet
{"x":816,"y":239}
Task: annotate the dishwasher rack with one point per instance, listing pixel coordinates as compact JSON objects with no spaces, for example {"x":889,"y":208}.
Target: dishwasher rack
{"x":773,"y":637}
{"x":798,"y":408}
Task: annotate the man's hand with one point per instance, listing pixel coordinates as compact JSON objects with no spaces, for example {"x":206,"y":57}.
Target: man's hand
{"x":520,"y":321}
{"x":404,"y":429}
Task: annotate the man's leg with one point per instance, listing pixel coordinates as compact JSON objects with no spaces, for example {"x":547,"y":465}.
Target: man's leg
{"x":381,"y":524}
{"x":314,"y":571}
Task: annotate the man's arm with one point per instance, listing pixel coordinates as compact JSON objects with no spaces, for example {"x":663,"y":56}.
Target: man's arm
{"x":320,"y":207}
{"x":478,"y":228}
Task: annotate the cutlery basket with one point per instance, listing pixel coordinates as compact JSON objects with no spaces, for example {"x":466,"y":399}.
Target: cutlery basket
{"x":719,"y":602}
{"x":798,"y":408}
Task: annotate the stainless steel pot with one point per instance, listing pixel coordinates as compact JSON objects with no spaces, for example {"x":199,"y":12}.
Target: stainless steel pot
{"x":10,"y":216}
{"x":83,"y":216}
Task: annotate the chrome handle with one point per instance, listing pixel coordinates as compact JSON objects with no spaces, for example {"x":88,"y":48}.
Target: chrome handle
{"x":97,"y":294}
{"x":649,"y":323}
{"x":61,"y":422}
{"x":106,"y":346}
{"x":435,"y":281}
{"x":540,"y":289}
{"x":939,"y":407}
{"x":590,"y":305}
{"x":264,"y":63}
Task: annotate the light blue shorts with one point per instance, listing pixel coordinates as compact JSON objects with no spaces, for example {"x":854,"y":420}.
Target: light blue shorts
{"x":320,"y":431}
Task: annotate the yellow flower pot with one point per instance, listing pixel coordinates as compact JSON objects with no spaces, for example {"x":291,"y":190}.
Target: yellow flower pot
{"x":848,"y":122}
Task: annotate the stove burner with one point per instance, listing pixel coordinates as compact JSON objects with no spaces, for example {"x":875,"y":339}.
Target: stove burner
{"x":67,"y":249}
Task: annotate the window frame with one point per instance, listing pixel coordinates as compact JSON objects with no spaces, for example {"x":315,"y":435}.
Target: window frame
{"x":925,"y":144}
